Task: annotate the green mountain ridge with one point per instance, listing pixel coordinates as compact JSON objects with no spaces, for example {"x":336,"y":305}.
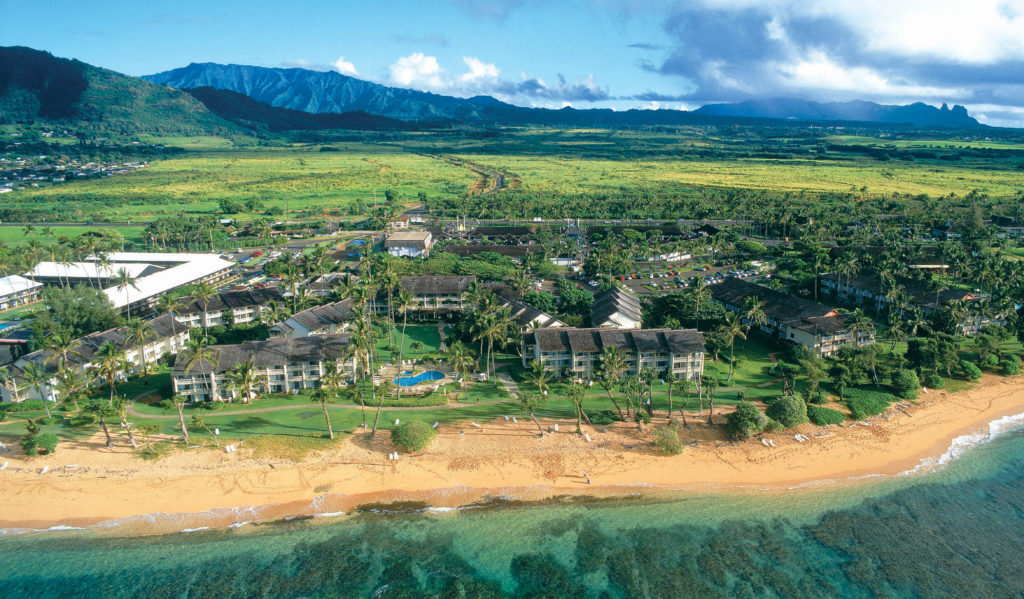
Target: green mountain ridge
{"x":37,"y":87}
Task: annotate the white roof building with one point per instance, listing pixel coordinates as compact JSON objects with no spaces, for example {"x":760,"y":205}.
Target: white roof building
{"x":85,"y":271}
{"x":180,"y":270}
{"x":16,"y":284}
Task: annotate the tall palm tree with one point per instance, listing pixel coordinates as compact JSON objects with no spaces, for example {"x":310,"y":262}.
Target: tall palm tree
{"x":577,"y":395}
{"x":108,"y":362}
{"x":169,"y":304}
{"x":402,"y":304}
{"x":178,"y":401}
{"x":699,"y":292}
{"x":61,"y":345}
{"x":9,"y":382}
{"x":733,"y":328}
{"x":102,"y":411}
{"x":520,"y":281}
{"x":671,"y":380}
{"x":245,"y":378}
{"x":139,"y":333}
{"x":461,"y":359}
{"x":611,"y":365}
{"x":530,"y":402}
{"x":36,"y":377}
{"x":204,"y":292}
{"x":200,"y":354}
{"x":125,"y":281}
{"x":198,"y":420}
{"x":754,"y":312}
{"x":860,"y":323}
{"x":329,"y":384}
{"x":121,"y":404}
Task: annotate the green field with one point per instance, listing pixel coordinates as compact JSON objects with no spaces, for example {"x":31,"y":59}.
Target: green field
{"x":14,"y":235}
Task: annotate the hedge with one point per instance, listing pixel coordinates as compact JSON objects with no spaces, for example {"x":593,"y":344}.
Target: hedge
{"x":824,"y":416}
{"x":413,"y":435}
{"x":667,"y":439}
{"x":29,"y":405}
{"x":864,"y":403}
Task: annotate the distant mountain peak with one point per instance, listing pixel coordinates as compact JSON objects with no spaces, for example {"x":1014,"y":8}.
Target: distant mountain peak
{"x":918,"y":113}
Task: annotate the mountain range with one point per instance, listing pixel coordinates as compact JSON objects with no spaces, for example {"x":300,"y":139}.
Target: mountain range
{"x":215,"y":99}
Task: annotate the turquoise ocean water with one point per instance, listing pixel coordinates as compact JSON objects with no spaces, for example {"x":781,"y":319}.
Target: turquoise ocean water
{"x":957,"y":531}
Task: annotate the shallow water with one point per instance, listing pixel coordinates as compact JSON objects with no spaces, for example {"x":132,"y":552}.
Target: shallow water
{"x":956,"y":531}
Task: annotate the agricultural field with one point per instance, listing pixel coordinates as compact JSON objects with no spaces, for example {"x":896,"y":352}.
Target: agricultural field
{"x":14,"y":235}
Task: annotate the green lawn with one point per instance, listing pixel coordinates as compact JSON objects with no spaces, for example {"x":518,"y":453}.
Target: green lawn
{"x":426,"y":334}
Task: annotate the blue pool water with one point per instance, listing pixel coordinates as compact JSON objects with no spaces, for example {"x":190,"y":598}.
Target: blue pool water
{"x":5,"y":325}
{"x":409,"y":381}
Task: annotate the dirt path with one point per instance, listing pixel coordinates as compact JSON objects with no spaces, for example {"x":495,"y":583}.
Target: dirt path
{"x":448,"y":406}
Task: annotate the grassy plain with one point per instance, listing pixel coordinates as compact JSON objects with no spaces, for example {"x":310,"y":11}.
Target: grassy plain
{"x":304,"y":181}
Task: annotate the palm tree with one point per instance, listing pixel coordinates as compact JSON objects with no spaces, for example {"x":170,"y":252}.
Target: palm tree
{"x":520,"y":281}
{"x":539,"y":376}
{"x":171,"y":305}
{"x":245,"y":378}
{"x":122,"y":411}
{"x":204,"y":292}
{"x":649,"y":374}
{"x":402,"y":304}
{"x":61,"y":344}
{"x":178,"y":401}
{"x":671,"y":380}
{"x":139,"y":333}
{"x":101,"y":411}
{"x":611,"y":365}
{"x":125,"y":281}
{"x":860,"y":323}
{"x":530,"y":402}
{"x":9,"y":382}
{"x":577,"y":395}
{"x":197,"y":420}
{"x":461,"y":359}
{"x":754,"y":314}
{"x":711,"y":382}
{"x":733,"y":328}
{"x":699,"y":292}
{"x":35,"y":377}
{"x":71,"y":385}
{"x":200,"y":353}
{"x":108,"y":362}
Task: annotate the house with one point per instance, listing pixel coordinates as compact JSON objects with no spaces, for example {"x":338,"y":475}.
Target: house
{"x":820,"y":328}
{"x":564,"y":349}
{"x":18,"y":291}
{"x":324,"y":285}
{"x":409,"y":244}
{"x":284,"y":366}
{"x":167,"y":338}
{"x":237,"y":306}
{"x":616,"y":308}
{"x":320,"y":320}
{"x":436,"y":294}
{"x":868,"y":290}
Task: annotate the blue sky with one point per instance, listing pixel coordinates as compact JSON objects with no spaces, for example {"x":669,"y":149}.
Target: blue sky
{"x":602,"y":53}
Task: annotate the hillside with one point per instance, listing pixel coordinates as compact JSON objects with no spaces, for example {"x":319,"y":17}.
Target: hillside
{"x":857,"y":110}
{"x":35,"y":87}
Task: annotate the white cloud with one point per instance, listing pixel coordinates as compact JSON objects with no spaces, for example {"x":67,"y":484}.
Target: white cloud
{"x":417,"y":70}
{"x":345,"y":67}
{"x":817,"y":70}
{"x":478,"y":69}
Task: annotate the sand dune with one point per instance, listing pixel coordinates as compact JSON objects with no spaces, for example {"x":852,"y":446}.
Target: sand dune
{"x":468,"y":464}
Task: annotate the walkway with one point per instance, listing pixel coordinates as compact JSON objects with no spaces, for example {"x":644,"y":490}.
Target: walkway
{"x":333,"y":406}
{"x":510,"y":386}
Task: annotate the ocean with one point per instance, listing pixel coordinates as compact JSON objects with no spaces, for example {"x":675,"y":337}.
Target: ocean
{"x":953,"y":529}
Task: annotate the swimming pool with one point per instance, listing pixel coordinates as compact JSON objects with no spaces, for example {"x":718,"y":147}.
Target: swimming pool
{"x":409,"y":381}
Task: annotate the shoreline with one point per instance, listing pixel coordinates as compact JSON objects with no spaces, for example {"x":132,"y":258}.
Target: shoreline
{"x":116,"y":491}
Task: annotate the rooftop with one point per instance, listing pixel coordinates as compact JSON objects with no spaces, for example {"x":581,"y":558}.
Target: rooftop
{"x":594,"y":340}
{"x":272,"y":352}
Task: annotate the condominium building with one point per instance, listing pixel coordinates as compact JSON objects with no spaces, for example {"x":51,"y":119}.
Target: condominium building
{"x":437,"y":294}
{"x":18,"y":291}
{"x":564,"y":349}
{"x":616,"y":308}
{"x":235,"y":307}
{"x":320,"y":320}
{"x":820,"y":328}
{"x":283,"y":365}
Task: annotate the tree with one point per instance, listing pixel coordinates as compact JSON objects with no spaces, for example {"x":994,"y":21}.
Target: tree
{"x":204,"y":292}
{"x":529,"y":402}
{"x":139,"y":333}
{"x":671,"y":380}
{"x":461,"y":359}
{"x":200,"y":354}
{"x":666,"y":438}
{"x":197,"y":420}
{"x":108,"y":363}
{"x":788,"y":410}
{"x":413,"y":435}
{"x":611,"y":365}
{"x":733,"y":328}
{"x":177,"y":401}
{"x":101,"y":410}
{"x":245,"y":378}
{"x":698,"y":291}
{"x":905,"y":383}
{"x":711,"y":381}
{"x":575,"y":301}
{"x":577,"y":395}
{"x":61,"y":346}
{"x":171,"y":305}
{"x":322,"y":395}
{"x":403,"y":303}
{"x":125,"y":281}
{"x":75,"y":311}
{"x":539,"y":376}
{"x":36,"y":377}
{"x":745,"y":422}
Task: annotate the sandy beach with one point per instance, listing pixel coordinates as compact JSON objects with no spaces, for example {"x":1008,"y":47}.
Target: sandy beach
{"x":85,"y":483}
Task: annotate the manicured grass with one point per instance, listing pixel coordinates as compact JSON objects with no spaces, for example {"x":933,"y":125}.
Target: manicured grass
{"x":426,"y":334}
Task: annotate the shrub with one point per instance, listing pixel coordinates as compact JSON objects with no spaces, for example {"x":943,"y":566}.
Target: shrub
{"x":1008,"y":368}
{"x":413,"y":435}
{"x":213,"y":406}
{"x":605,"y":417}
{"x":864,"y":403}
{"x":934,"y":381}
{"x":29,"y":405}
{"x":745,"y":422}
{"x":906,"y":383}
{"x":48,"y":441}
{"x":824,"y":416}
{"x":788,"y":411}
{"x":49,"y":420}
{"x":28,"y":445}
{"x":990,"y":361}
{"x":667,"y":440}
{"x":970,"y":370}
{"x":641,"y":417}
{"x":772,"y":426}
{"x":1013,"y":358}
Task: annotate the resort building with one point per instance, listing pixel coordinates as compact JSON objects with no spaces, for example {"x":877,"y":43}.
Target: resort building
{"x":227,"y":307}
{"x":167,"y":337}
{"x":409,"y":244}
{"x":869,"y":290}
{"x":820,"y":328}
{"x":18,"y":291}
{"x":530,"y":318}
{"x":283,"y":365}
{"x":320,"y":320}
{"x":616,"y":308}
{"x":515,"y":252}
{"x":565,"y":349}
{"x":437,"y":295}
{"x":153,"y":274}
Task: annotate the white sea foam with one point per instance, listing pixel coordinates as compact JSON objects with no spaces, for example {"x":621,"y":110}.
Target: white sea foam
{"x":964,"y":443}
{"x":196,"y":529}
{"x":328,"y":514}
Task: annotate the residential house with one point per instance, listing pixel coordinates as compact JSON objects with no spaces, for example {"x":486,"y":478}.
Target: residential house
{"x":616,"y":308}
{"x":820,"y":328}
{"x":320,"y":320}
{"x":284,"y":366}
{"x":167,"y":338}
{"x":563,"y":349}
{"x":409,"y":244}
{"x":236,"y":306}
